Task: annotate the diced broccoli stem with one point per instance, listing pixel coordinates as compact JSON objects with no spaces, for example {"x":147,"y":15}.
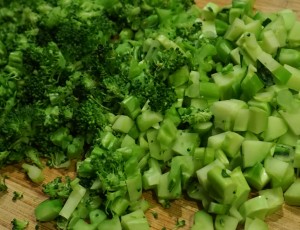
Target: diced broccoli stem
{"x":274,"y":197}
{"x":227,"y":222}
{"x":217,"y":208}
{"x":48,"y":210}
{"x":257,"y":176}
{"x":119,"y":205}
{"x":110,"y":224}
{"x":73,"y":200}
{"x":147,"y":119}
{"x":34,"y":173}
{"x":256,"y":207}
{"x":221,"y":184}
{"x":291,"y":195}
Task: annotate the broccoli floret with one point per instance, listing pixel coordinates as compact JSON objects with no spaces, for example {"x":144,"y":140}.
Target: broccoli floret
{"x":19,"y":224}
{"x":34,"y":156}
{"x":192,"y":115}
{"x":158,"y":94}
{"x":58,"y":188}
{"x":90,"y":116}
{"x":58,"y":159}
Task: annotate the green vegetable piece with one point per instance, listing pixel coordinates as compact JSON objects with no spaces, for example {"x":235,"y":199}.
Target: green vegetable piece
{"x":257,"y":176}
{"x":294,"y":81}
{"x":225,"y":113}
{"x":202,"y":172}
{"x":202,"y":220}
{"x":290,"y":57}
{"x":232,"y":143}
{"x":83,"y":225}
{"x":97,"y":216}
{"x":110,"y":224}
{"x":167,"y":133}
{"x":269,"y":43}
{"x":276,"y":127}
{"x":255,"y":151}
{"x":131,"y":106}
{"x":293,"y":36}
{"x":34,"y":173}
{"x":280,"y":73}
{"x":134,"y":187}
{"x":291,"y":118}
{"x":242,"y":189}
{"x":256,"y":207}
{"x":217,"y":208}
{"x":258,"y":120}
{"x":134,"y":220}
{"x":123,"y":124}
{"x":167,"y":192}
{"x":119,"y":205}
{"x":256,"y":223}
{"x":227,"y":222}
{"x":274,"y":197}
{"x":292,"y":194}
{"x":18,"y":224}
{"x":185,"y":143}
{"x":235,"y":30}
{"x":296,"y":162}
{"x":179,"y":77}
{"x":48,"y":210}
{"x":281,"y":173}
{"x":147,"y":119}
{"x":17,"y":196}
{"x":229,"y":83}
{"x":151,"y":177}
{"x":241,"y":120}
{"x":221,"y":186}
{"x":73,"y":200}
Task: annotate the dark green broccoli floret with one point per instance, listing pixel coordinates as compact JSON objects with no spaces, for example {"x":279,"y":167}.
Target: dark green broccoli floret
{"x":19,"y":224}
{"x":58,"y":188}
{"x":90,"y":116}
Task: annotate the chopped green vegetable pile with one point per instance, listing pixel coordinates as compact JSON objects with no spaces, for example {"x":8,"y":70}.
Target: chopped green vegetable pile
{"x":152,"y":95}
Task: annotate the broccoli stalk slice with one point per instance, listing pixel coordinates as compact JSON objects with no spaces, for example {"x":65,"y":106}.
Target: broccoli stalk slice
{"x":73,"y":200}
{"x":34,"y":173}
{"x":48,"y":210}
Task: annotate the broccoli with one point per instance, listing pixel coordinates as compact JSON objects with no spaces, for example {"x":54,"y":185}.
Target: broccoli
{"x":17,"y":196}
{"x":3,"y":186}
{"x":58,"y":188}
{"x":19,"y":224}
{"x":193,"y":115}
{"x":34,"y":173}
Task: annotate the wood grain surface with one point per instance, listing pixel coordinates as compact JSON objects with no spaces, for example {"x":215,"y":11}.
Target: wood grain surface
{"x":288,"y":218}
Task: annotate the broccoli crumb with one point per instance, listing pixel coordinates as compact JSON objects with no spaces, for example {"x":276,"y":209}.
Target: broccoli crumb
{"x":17,"y":196}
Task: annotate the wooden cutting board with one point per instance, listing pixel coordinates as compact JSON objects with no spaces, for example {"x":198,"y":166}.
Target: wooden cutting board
{"x":288,"y":218}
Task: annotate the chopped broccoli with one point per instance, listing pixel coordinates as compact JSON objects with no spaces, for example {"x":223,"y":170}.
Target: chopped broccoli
{"x":58,"y":188}
{"x":192,"y":115}
{"x":17,"y":196}
{"x":3,"y":186}
{"x":19,"y":224}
